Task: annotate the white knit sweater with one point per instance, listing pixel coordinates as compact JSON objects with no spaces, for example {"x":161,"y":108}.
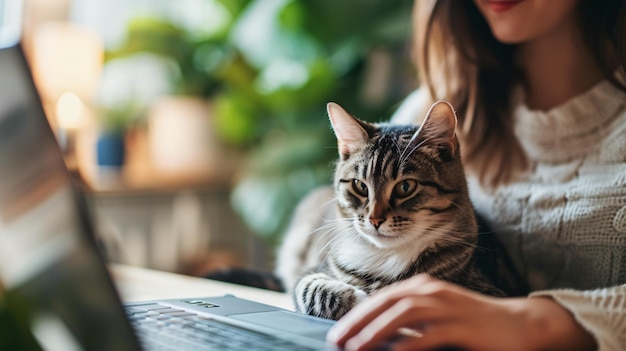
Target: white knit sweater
{"x":564,"y":222}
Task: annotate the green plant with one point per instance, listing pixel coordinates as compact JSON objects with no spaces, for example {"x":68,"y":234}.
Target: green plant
{"x":270,"y":72}
{"x":119,"y":119}
{"x":295,"y":147}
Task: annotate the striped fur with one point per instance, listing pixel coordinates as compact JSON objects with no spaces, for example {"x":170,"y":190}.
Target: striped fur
{"x":399,"y":207}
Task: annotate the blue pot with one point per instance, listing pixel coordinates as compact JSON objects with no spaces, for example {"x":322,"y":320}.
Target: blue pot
{"x":110,"y":149}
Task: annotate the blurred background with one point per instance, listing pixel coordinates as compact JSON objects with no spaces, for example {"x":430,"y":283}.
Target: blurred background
{"x":194,"y":127}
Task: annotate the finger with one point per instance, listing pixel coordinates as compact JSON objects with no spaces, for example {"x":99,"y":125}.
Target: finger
{"x":412,"y":311}
{"x":356,"y":320}
{"x":366,"y":311}
{"x":436,"y":336}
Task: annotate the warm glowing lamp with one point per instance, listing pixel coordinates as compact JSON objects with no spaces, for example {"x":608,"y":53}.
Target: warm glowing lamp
{"x":70,"y":111}
{"x":67,"y":63}
{"x":68,"y":58}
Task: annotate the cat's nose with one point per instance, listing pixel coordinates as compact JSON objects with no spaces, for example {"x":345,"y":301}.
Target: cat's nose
{"x":376,"y":222}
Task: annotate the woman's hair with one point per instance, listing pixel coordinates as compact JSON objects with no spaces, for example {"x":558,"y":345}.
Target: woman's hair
{"x":461,"y":61}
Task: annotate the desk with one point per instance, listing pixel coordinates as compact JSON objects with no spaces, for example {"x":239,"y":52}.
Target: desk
{"x":139,"y":284}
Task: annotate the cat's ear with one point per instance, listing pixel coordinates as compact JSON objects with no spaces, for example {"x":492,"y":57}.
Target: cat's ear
{"x":439,"y":127}
{"x":350,"y":131}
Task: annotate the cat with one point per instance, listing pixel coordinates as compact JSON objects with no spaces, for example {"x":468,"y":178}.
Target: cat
{"x":399,"y":206}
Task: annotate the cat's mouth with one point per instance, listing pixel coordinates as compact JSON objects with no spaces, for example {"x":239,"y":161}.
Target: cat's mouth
{"x":385,"y":236}
{"x":372,"y":232}
{"x":375,"y":234}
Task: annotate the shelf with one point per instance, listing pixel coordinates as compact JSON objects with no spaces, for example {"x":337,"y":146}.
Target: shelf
{"x":139,"y":174}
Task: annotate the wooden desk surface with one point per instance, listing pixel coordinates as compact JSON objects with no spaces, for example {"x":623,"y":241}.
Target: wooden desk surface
{"x":139,"y":284}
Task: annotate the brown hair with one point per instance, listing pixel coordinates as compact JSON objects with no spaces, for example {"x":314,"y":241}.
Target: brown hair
{"x":460,"y":60}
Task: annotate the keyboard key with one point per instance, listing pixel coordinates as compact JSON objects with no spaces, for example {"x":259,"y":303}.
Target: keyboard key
{"x":162,"y":328}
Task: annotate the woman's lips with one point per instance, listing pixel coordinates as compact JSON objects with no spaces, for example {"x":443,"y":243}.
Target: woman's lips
{"x":502,"y":5}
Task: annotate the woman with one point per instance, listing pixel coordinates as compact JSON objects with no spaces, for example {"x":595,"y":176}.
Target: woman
{"x":539,"y":90}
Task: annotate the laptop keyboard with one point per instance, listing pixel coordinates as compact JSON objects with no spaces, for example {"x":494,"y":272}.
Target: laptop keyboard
{"x":160,"y":327}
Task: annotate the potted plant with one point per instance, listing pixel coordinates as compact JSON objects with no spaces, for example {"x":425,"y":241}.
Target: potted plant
{"x":114,"y":123}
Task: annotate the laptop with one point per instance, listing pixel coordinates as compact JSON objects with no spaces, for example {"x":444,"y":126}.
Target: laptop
{"x":55,"y":290}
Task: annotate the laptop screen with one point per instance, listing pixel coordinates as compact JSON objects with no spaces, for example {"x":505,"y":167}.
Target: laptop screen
{"x":52,"y":279}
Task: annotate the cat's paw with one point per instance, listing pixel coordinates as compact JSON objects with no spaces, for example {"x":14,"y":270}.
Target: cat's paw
{"x":322,"y":296}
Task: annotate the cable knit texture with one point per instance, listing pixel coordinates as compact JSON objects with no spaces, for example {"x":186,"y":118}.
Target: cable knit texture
{"x":564,"y":221}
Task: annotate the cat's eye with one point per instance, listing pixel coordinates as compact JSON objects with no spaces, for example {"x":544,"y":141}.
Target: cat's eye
{"x":359,"y":187}
{"x":404,"y":188}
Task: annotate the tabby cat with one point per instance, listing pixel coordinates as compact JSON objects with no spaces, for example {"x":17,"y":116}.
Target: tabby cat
{"x":399,"y":207}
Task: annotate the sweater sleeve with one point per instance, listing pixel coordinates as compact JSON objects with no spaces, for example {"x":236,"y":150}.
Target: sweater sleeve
{"x":601,"y":312}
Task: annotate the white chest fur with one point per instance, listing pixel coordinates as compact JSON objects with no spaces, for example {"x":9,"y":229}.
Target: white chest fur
{"x":357,"y":254}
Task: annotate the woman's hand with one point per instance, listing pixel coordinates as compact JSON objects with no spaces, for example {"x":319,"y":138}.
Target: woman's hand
{"x":423,"y":313}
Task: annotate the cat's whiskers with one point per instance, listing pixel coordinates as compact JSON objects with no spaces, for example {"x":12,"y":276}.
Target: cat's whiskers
{"x":445,"y":235}
{"x":324,"y":248}
{"x":329,"y":202}
{"x":331,"y":221}
{"x":456,"y":241}
{"x":449,"y":232}
{"x":464,"y":210}
{"x":322,"y":228}
{"x":350,"y":231}
{"x":334,"y":225}
{"x":470,"y":215}
{"x":396,"y":145}
{"x":403,"y":157}
{"x":332,"y":229}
